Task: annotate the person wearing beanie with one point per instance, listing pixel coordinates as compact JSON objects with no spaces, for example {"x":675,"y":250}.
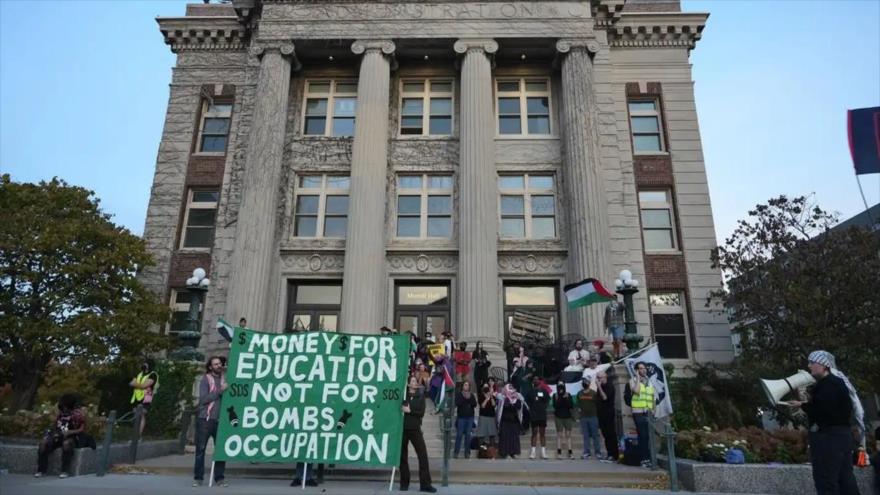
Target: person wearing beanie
{"x":829,"y":410}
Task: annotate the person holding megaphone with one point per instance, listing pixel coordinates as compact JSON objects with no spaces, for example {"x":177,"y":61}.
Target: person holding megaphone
{"x":832,"y":402}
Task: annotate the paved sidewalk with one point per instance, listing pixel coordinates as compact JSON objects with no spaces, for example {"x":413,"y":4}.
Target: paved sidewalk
{"x":120,"y":484}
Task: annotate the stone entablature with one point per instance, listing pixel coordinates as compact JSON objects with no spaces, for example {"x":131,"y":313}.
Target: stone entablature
{"x":543,"y":264}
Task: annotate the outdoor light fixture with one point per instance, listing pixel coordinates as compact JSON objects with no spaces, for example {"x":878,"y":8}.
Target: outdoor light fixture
{"x":627,"y":286}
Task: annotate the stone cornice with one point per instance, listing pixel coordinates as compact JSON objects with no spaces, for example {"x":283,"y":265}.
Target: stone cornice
{"x":606,"y":12}
{"x":209,"y":33}
{"x":651,"y":30}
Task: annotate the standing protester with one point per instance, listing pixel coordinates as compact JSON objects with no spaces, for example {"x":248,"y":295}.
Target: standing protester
{"x":68,"y":432}
{"x":487,"y":429}
{"x":414,"y":409}
{"x":462,"y":363}
{"x":643,"y":400}
{"x":509,"y":416}
{"x":144,"y":384}
{"x":577,"y":358}
{"x":562,"y":406}
{"x":586,"y":401}
{"x":422,"y":374}
{"x":607,"y":417}
{"x":537,"y":400}
{"x":601,"y":354}
{"x":465,"y":402}
{"x":614,"y":323}
{"x":211,"y":389}
{"x":829,"y":411}
{"x":481,"y":364}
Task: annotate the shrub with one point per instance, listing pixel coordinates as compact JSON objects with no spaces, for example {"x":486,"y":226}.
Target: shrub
{"x":176,"y":379}
{"x":759,"y":446}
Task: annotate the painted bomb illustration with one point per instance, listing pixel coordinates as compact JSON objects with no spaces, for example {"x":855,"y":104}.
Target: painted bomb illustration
{"x":343,"y":419}
{"x":343,"y":342}
{"x":233,"y":418}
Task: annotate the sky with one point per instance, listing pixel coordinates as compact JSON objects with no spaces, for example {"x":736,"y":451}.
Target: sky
{"x":84,"y":88}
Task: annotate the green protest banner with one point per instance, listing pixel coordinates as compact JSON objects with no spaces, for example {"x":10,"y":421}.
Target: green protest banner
{"x":316,"y":397}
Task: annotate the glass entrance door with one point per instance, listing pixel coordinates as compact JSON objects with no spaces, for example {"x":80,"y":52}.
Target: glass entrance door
{"x":422,"y":307}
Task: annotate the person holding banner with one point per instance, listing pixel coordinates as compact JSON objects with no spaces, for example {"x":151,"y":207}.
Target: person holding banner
{"x":643,"y":400}
{"x":414,"y":409}
{"x":211,"y":389}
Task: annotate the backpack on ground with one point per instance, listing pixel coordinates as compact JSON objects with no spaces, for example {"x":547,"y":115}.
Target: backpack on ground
{"x":631,"y":452}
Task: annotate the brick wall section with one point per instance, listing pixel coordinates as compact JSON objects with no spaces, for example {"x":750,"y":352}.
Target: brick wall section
{"x":183,"y":264}
{"x":205,"y":170}
{"x":653,"y":171}
{"x":665,"y":271}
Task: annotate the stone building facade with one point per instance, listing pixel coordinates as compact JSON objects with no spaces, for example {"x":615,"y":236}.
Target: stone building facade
{"x":435,"y":165}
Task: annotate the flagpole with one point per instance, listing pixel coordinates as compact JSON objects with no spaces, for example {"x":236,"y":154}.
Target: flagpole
{"x":391,"y":483}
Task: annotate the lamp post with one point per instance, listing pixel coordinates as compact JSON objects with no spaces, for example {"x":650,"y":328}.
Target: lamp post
{"x":627,"y":286}
{"x":189,"y":339}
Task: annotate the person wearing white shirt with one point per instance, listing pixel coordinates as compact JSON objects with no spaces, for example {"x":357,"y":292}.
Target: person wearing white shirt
{"x":577,"y":358}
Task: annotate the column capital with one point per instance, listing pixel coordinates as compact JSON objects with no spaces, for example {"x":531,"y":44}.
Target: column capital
{"x":565,"y":45}
{"x":486,"y":45}
{"x":284,"y":47}
{"x":385,"y":46}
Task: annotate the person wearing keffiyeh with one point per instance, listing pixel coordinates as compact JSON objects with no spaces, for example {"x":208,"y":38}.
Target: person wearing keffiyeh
{"x":509,"y":416}
{"x":832,"y":405}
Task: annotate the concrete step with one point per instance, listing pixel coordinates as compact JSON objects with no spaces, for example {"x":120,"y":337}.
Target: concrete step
{"x":471,"y":471}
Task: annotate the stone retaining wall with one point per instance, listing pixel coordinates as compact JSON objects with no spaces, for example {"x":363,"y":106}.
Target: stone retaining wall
{"x":19,"y":458}
{"x":783,"y":479}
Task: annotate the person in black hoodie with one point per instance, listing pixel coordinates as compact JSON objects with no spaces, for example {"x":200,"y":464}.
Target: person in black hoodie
{"x":607,"y":417}
{"x":465,"y":402}
{"x":414,"y":409}
{"x":831,"y":442}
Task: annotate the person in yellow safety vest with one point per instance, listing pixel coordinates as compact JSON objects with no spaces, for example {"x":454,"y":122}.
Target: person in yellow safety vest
{"x":144,"y":385}
{"x":643,"y":400}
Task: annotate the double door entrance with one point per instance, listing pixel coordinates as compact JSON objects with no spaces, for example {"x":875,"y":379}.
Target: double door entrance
{"x":422,"y":307}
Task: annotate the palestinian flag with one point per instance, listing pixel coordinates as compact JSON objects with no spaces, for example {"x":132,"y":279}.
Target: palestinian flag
{"x":225,"y":330}
{"x":587,"y":291}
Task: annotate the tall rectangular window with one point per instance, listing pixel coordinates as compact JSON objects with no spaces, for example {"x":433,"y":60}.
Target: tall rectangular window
{"x":426,"y":107}
{"x":670,"y":324}
{"x":321,"y":206}
{"x":528,"y":206}
{"x":523,"y":106}
{"x":330,"y":107}
{"x":646,"y":126}
{"x":424,"y":206}
{"x":199,"y":219}
{"x":214,"y":127}
{"x":657,"y":220}
{"x":180,"y":300}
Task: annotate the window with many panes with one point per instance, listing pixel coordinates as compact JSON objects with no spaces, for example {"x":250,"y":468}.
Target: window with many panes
{"x":646,"y":126}
{"x":424,"y":206}
{"x":657,"y":220}
{"x":321,"y":206}
{"x":329,"y":108}
{"x":214,"y":127}
{"x":523,"y":106}
{"x":199,"y":219}
{"x":180,"y":300}
{"x":426,"y":107}
{"x":670,"y":324}
{"x":528,"y":206}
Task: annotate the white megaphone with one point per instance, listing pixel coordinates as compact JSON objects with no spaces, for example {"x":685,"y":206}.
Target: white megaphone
{"x":777,"y":389}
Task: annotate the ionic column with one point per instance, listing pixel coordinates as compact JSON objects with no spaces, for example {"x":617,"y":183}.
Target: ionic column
{"x":363,"y":284}
{"x":478,"y":295}
{"x":589,"y":252}
{"x":255,"y":248}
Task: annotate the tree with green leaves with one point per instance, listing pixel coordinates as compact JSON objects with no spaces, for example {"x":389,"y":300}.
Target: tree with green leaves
{"x":793,"y":285}
{"x":68,"y":285}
